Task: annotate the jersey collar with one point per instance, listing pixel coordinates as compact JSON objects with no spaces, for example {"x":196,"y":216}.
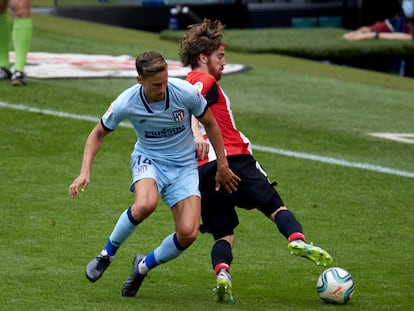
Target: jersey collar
{"x":147,"y":105}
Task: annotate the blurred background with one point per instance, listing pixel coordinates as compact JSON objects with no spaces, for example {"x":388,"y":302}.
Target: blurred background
{"x":139,"y":14}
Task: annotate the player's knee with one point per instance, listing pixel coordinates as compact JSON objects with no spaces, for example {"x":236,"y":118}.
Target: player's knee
{"x":273,"y":215}
{"x":20,"y":10}
{"x":186,"y":241}
{"x":187,"y":235}
{"x":140,"y":212}
{"x":229,"y":239}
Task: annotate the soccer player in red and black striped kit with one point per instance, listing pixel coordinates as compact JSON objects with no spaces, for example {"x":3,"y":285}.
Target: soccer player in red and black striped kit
{"x":203,"y":50}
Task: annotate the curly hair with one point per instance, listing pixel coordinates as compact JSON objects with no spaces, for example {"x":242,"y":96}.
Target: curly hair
{"x":202,"y":38}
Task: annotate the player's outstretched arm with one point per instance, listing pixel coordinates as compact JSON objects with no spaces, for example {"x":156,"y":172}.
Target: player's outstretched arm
{"x":224,"y":175}
{"x":92,"y":145}
{"x":201,"y":145}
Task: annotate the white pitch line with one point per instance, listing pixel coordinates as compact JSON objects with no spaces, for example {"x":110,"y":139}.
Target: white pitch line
{"x":340,"y":162}
{"x":294,"y":154}
{"x":407,"y":138}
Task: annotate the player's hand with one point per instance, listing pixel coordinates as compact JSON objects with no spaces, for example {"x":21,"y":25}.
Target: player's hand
{"x":226,"y":178}
{"x":81,"y":181}
{"x":202,"y":147}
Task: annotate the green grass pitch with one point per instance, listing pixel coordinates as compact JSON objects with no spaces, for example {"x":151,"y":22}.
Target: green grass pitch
{"x":364,"y":218}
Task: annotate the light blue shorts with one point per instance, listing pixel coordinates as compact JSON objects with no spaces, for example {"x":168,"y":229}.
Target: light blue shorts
{"x":175,"y":183}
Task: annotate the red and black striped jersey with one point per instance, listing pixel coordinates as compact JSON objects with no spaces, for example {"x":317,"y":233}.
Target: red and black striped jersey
{"x":235,"y":142}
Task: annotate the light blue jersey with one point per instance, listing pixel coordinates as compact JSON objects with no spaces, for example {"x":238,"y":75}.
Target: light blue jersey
{"x":164,"y":128}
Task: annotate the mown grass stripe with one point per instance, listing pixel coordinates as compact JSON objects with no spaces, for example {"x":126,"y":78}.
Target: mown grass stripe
{"x":294,"y":154}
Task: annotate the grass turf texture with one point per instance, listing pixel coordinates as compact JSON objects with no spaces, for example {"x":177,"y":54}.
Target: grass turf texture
{"x":363,"y":218}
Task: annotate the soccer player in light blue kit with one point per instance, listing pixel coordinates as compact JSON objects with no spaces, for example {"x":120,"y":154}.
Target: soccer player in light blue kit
{"x":163,"y":161}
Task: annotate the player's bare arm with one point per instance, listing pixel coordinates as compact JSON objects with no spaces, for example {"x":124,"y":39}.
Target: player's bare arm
{"x":92,"y":146}
{"x":224,"y":176}
{"x":201,"y":145}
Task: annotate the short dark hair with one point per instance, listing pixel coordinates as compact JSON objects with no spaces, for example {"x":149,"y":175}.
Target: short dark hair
{"x":202,"y":38}
{"x":149,"y":63}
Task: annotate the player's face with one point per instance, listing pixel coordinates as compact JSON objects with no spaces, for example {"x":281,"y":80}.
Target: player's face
{"x":154,"y":86}
{"x":216,"y":63}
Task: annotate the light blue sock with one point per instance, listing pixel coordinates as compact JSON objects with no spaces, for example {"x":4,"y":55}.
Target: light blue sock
{"x":168,"y":250}
{"x":125,"y":226}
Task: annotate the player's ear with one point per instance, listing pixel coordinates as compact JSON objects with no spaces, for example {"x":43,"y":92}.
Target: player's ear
{"x":140,"y":79}
{"x":202,"y":58}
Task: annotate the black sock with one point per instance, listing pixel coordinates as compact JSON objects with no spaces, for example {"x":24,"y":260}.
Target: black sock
{"x":287,"y":223}
{"x":221,"y":256}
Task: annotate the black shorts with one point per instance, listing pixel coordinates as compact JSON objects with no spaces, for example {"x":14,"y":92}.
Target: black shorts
{"x":218,"y":212}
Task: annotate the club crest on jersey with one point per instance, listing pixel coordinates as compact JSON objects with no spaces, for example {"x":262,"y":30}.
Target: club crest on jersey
{"x":142,"y":169}
{"x":178,"y":115}
{"x":199,"y":86}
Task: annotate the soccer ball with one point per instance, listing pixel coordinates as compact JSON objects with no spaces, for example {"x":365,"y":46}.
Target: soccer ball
{"x":335,"y":286}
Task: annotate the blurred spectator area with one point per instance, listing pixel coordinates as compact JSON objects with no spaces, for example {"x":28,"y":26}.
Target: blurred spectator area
{"x":156,"y":16}
{"x":139,"y":14}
